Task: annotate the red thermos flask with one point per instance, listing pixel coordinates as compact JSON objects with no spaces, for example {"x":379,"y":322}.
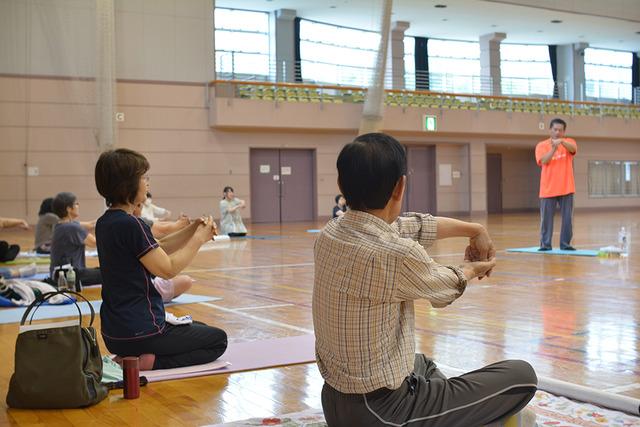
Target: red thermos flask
{"x":131,"y":377}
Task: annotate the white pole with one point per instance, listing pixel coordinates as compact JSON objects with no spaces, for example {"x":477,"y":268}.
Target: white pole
{"x":373,"y":105}
{"x":573,"y":391}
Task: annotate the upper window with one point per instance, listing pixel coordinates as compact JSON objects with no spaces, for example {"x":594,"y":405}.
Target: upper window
{"x":525,"y":70}
{"x":242,"y":42}
{"x":338,"y":55}
{"x":454,"y":66}
{"x":608,"y":74}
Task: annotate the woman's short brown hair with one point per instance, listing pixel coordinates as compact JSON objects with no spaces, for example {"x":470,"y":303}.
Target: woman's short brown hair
{"x":118,"y":174}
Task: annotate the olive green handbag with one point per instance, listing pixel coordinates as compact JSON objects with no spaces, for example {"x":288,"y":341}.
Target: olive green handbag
{"x":57,"y":365}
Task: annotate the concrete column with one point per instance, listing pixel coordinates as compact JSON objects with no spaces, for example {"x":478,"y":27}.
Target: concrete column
{"x":490,"y":63}
{"x":571,"y":79}
{"x":284,"y":44}
{"x":396,"y":59}
{"x":478,"y":177}
{"x":211,"y":41}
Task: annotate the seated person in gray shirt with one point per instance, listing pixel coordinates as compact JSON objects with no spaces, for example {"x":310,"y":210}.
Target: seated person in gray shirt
{"x":70,"y":238}
{"x":44,"y":229}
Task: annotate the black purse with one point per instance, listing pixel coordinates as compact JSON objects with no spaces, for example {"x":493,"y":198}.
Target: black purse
{"x":57,"y":365}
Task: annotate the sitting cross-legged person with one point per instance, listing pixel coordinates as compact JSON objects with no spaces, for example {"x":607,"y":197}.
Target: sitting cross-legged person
{"x":9,"y":252}
{"x":168,"y":288}
{"x":69,"y":240}
{"x":132,"y":314}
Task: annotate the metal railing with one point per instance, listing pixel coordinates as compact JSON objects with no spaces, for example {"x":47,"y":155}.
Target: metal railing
{"x":323,"y":74}
{"x":337,"y":94}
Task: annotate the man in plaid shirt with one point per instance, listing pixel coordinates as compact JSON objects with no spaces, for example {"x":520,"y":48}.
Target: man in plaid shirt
{"x":370,"y":265}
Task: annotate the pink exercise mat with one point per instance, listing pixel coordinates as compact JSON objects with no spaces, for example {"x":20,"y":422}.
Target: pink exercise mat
{"x":247,"y":356}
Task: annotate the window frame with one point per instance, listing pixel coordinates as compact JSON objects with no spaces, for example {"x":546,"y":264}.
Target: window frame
{"x":622,"y":178}
{"x":597,"y":84}
{"x":268,"y":54}
{"x":365,"y":73}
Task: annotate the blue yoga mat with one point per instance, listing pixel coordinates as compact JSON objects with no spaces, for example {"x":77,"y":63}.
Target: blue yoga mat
{"x":265,"y":237}
{"x":313,"y":231}
{"x":39,"y":276}
{"x":534,"y":250}
{"x":13,"y":315}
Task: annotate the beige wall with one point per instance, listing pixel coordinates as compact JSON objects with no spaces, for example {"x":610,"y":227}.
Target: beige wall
{"x":191,"y":163}
{"x":48,"y":123}
{"x":168,"y":40}
{"x":520,"y":177}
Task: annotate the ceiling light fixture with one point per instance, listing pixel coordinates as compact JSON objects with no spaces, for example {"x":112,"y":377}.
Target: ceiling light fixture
{"x":556,"y":21}
{"x":440,"y":6}
{"x":493,"y":25}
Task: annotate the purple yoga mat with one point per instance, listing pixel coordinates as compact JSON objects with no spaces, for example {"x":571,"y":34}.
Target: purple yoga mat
{"x":247,"y":356}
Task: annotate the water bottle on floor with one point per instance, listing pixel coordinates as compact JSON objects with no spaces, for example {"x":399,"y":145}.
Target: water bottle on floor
{"x":71,"y":279}
{"x":62,"y":281}
{"x":623,"y":241}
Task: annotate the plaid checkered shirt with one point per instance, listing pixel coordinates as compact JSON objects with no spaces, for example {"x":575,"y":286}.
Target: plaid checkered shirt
{"x":367,"y":275}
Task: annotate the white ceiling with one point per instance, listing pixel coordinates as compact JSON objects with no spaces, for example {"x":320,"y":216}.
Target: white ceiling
{"x":610,"y":24}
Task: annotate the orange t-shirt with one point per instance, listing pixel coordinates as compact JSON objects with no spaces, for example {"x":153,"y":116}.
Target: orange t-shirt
{"x":556,"y":178}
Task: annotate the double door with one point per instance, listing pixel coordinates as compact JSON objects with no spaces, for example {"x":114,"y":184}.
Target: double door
{"x":282,"y":185}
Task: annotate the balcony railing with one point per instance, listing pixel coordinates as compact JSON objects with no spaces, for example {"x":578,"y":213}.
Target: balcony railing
{"x":337,"y":94}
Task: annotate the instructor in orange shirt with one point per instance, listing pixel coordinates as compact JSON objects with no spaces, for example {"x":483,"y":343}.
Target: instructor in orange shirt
{"x":555,"y":157}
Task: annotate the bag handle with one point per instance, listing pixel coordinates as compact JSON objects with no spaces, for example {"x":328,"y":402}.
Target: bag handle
{"x":38,"y":302}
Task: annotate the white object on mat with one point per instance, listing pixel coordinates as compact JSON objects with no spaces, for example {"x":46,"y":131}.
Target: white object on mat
{"x":185,"y":372}
{"x":33,"y":254}
{"x":173,"y":320}
{"x":573,"y":391}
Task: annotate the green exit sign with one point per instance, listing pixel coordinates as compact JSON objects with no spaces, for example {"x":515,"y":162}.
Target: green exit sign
{"x":429,"y":123}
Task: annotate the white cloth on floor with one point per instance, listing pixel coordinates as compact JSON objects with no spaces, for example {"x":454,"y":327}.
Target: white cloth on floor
{"x":25,"y":288}
{"x":27,"y":296}
{"x":171,"y":319}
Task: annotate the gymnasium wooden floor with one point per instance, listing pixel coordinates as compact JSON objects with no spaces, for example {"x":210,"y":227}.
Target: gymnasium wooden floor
{"x":574,"y":318}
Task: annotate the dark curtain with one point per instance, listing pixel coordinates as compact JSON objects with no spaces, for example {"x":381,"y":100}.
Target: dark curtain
{"x":296,"y":50}
{"x":635,"y":77}
{"x":553,"y":58}
{"x":422,"y":63}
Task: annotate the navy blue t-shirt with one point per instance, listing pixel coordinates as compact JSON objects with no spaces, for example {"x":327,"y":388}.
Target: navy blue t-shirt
{"x":131,"y":308}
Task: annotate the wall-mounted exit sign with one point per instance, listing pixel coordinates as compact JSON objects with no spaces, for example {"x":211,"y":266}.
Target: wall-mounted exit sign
{"x":429,"y":123}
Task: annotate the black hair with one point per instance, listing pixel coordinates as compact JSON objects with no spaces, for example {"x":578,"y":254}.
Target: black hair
{"x":369,"y":169}
{"x":557,"y":121}
{"x":118,"y":174}
{"x":61,"y":202}
{"x":338,"y":198}
{"x":225,"y":191}
{"x":46,"y":206}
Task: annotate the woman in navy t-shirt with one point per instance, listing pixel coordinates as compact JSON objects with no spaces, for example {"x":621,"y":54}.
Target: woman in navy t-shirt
{"x":132,"y":313}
